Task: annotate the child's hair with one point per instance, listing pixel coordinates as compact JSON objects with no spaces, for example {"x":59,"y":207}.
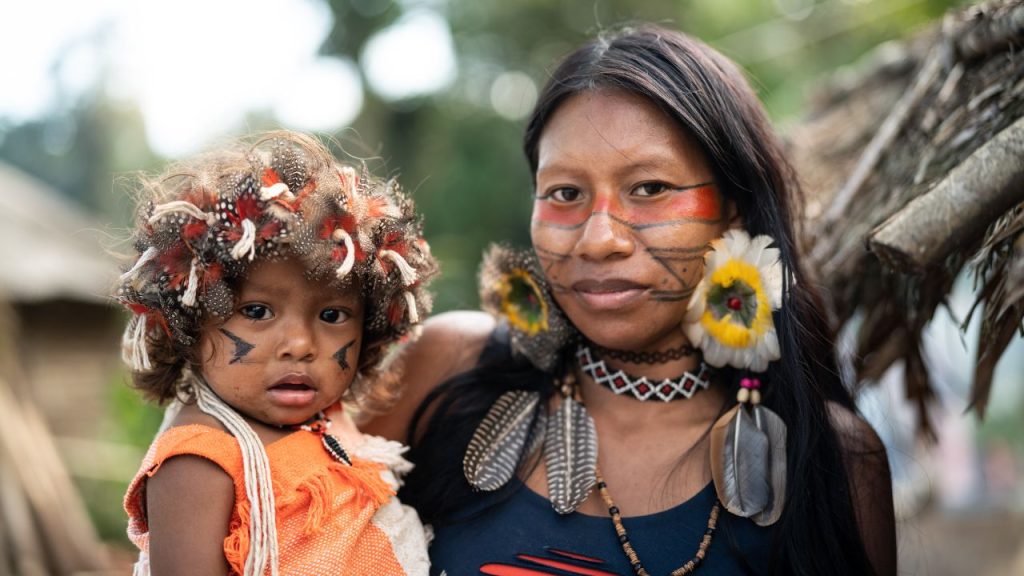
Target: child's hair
{"x":203,"y":223}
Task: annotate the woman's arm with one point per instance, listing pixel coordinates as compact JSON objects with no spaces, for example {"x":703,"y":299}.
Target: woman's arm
{"x":188,"y":507}
{"x":871,"y":487}
{"x":450,"y":344}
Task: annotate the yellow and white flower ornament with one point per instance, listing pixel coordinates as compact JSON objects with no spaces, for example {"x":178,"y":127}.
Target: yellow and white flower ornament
{"x":730,"y":313}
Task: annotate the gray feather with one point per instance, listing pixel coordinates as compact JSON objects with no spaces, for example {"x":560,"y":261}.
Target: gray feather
{"x":496,"y":448}
{"x":748,"y":463}
{"x":570,"y":456}
{"x":775,"y":429}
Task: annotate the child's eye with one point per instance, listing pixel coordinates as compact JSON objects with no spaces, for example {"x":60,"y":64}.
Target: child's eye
{"x":334,"y":315}
{"x":648,"y":189}
{"x":256,"y":312}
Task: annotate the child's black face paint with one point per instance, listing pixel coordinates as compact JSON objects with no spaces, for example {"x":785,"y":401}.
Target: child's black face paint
{"x":341,"y":354}
{"x":242,"y":348}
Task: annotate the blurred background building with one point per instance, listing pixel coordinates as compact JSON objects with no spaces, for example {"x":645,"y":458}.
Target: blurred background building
{"x":435,"y":91}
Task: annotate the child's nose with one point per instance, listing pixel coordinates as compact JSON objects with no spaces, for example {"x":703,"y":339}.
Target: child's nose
{"x":298,"y":342}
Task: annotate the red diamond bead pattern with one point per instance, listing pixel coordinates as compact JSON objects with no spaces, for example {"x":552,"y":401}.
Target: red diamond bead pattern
{"x":641,"y":388}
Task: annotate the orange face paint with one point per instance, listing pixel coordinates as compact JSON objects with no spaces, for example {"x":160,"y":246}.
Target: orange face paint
{"x":701,"y":203}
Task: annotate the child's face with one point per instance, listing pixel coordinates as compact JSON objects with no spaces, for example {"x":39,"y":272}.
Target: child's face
{"x":290,"y":349}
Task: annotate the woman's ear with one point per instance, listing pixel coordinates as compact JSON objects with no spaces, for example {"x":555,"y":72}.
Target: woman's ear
{"x":733,"y":215}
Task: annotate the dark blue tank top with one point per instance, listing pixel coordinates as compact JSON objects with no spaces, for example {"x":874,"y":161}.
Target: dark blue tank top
{"x":515,"y":532}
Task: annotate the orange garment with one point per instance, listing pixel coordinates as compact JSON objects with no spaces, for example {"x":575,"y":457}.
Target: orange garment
{"x":324,"y":508}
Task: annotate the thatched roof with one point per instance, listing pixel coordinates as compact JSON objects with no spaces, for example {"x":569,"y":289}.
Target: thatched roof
{"x":914,"y":170}
{"x":49,"y":248}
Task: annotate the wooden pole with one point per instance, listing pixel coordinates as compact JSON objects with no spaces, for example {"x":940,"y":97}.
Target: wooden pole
{"x":957,"y":210}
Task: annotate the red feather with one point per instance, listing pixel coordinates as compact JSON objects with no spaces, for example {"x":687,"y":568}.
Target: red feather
{"x":269,"y":230}
{"x":395,"y":312}
{"x":193,"y":230}
{"x":213,"y":273}
{"x":269,"y":177}
{"x":308,"y":189}
{"x":248,"y":206}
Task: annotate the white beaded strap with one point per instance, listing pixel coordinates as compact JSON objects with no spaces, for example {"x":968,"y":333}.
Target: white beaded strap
{"x":258,"y":486}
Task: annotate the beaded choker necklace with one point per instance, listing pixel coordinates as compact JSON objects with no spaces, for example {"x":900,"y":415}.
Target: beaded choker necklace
{"x":319,"y":426}
{"x":656,"y":357}
{"x":640,"y":387}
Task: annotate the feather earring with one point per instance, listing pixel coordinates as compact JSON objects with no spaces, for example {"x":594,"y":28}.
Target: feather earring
{"x":496,"y":448}
{"x":570,"y":455}
{"x":730,"y":319}
{"x":748,"y":458}
{"x":513,"y":288}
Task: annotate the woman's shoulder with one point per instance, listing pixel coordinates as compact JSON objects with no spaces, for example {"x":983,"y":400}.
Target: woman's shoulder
{"x":855,"y":434}
{"x":450,"y":343}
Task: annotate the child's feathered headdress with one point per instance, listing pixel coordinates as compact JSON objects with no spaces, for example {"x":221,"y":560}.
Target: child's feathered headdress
{"x":283,"y":197}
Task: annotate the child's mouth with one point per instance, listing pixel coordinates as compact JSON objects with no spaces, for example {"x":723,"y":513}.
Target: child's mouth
{"x":292,"y":391}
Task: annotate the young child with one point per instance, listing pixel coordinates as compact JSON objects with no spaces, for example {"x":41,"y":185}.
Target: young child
{"x":268,"y":284}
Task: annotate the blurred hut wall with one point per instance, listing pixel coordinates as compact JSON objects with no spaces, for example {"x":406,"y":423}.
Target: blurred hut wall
{"x":56,"y":276}
{"x":57,"y":353}
{"x":913,"y":168}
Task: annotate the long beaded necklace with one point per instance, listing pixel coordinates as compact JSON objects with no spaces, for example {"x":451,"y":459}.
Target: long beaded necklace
{"x":627,"y":547}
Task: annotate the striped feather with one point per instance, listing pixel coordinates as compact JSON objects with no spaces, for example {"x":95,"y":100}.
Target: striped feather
{"x":496,"y":448}
{"x":570,"y":456}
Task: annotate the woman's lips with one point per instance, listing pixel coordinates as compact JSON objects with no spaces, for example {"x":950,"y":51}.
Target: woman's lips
{"x":293,"y":390}
{"x":610,"y":294}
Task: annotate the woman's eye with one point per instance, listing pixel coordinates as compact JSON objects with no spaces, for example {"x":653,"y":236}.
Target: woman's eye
{"x":256,"y":312}
{"x":650,"y":189}
{"x":565,"y":194}
{"x":333,"y":316}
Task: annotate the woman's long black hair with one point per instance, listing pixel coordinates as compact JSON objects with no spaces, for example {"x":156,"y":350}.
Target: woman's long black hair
{"x":710,"y":99}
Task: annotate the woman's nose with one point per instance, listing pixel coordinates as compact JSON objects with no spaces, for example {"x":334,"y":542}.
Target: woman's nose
{"x":605,"y":236}
{"x":297,"y":341}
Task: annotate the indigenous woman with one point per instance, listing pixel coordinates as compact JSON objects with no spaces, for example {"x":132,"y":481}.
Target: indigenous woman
{"x":655,"y":391}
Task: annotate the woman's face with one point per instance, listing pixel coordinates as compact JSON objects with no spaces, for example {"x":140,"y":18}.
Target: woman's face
{"x":625,"y":207}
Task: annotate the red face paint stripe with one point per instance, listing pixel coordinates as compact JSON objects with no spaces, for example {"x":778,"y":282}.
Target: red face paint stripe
{"x":572,"y":568}
{"x":574,"y":556}
{"x":509,"y":570}
{"x":550,"y":213}
{"x":703,"y":202}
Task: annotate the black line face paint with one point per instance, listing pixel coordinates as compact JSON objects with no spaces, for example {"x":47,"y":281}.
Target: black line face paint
{"x":341,"y":354}
{"x":242,"y":348}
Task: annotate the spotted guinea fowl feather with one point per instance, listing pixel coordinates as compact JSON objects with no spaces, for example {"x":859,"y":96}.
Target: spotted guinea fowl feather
{"x":570,"y":456}
{"x":496,"y":447}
